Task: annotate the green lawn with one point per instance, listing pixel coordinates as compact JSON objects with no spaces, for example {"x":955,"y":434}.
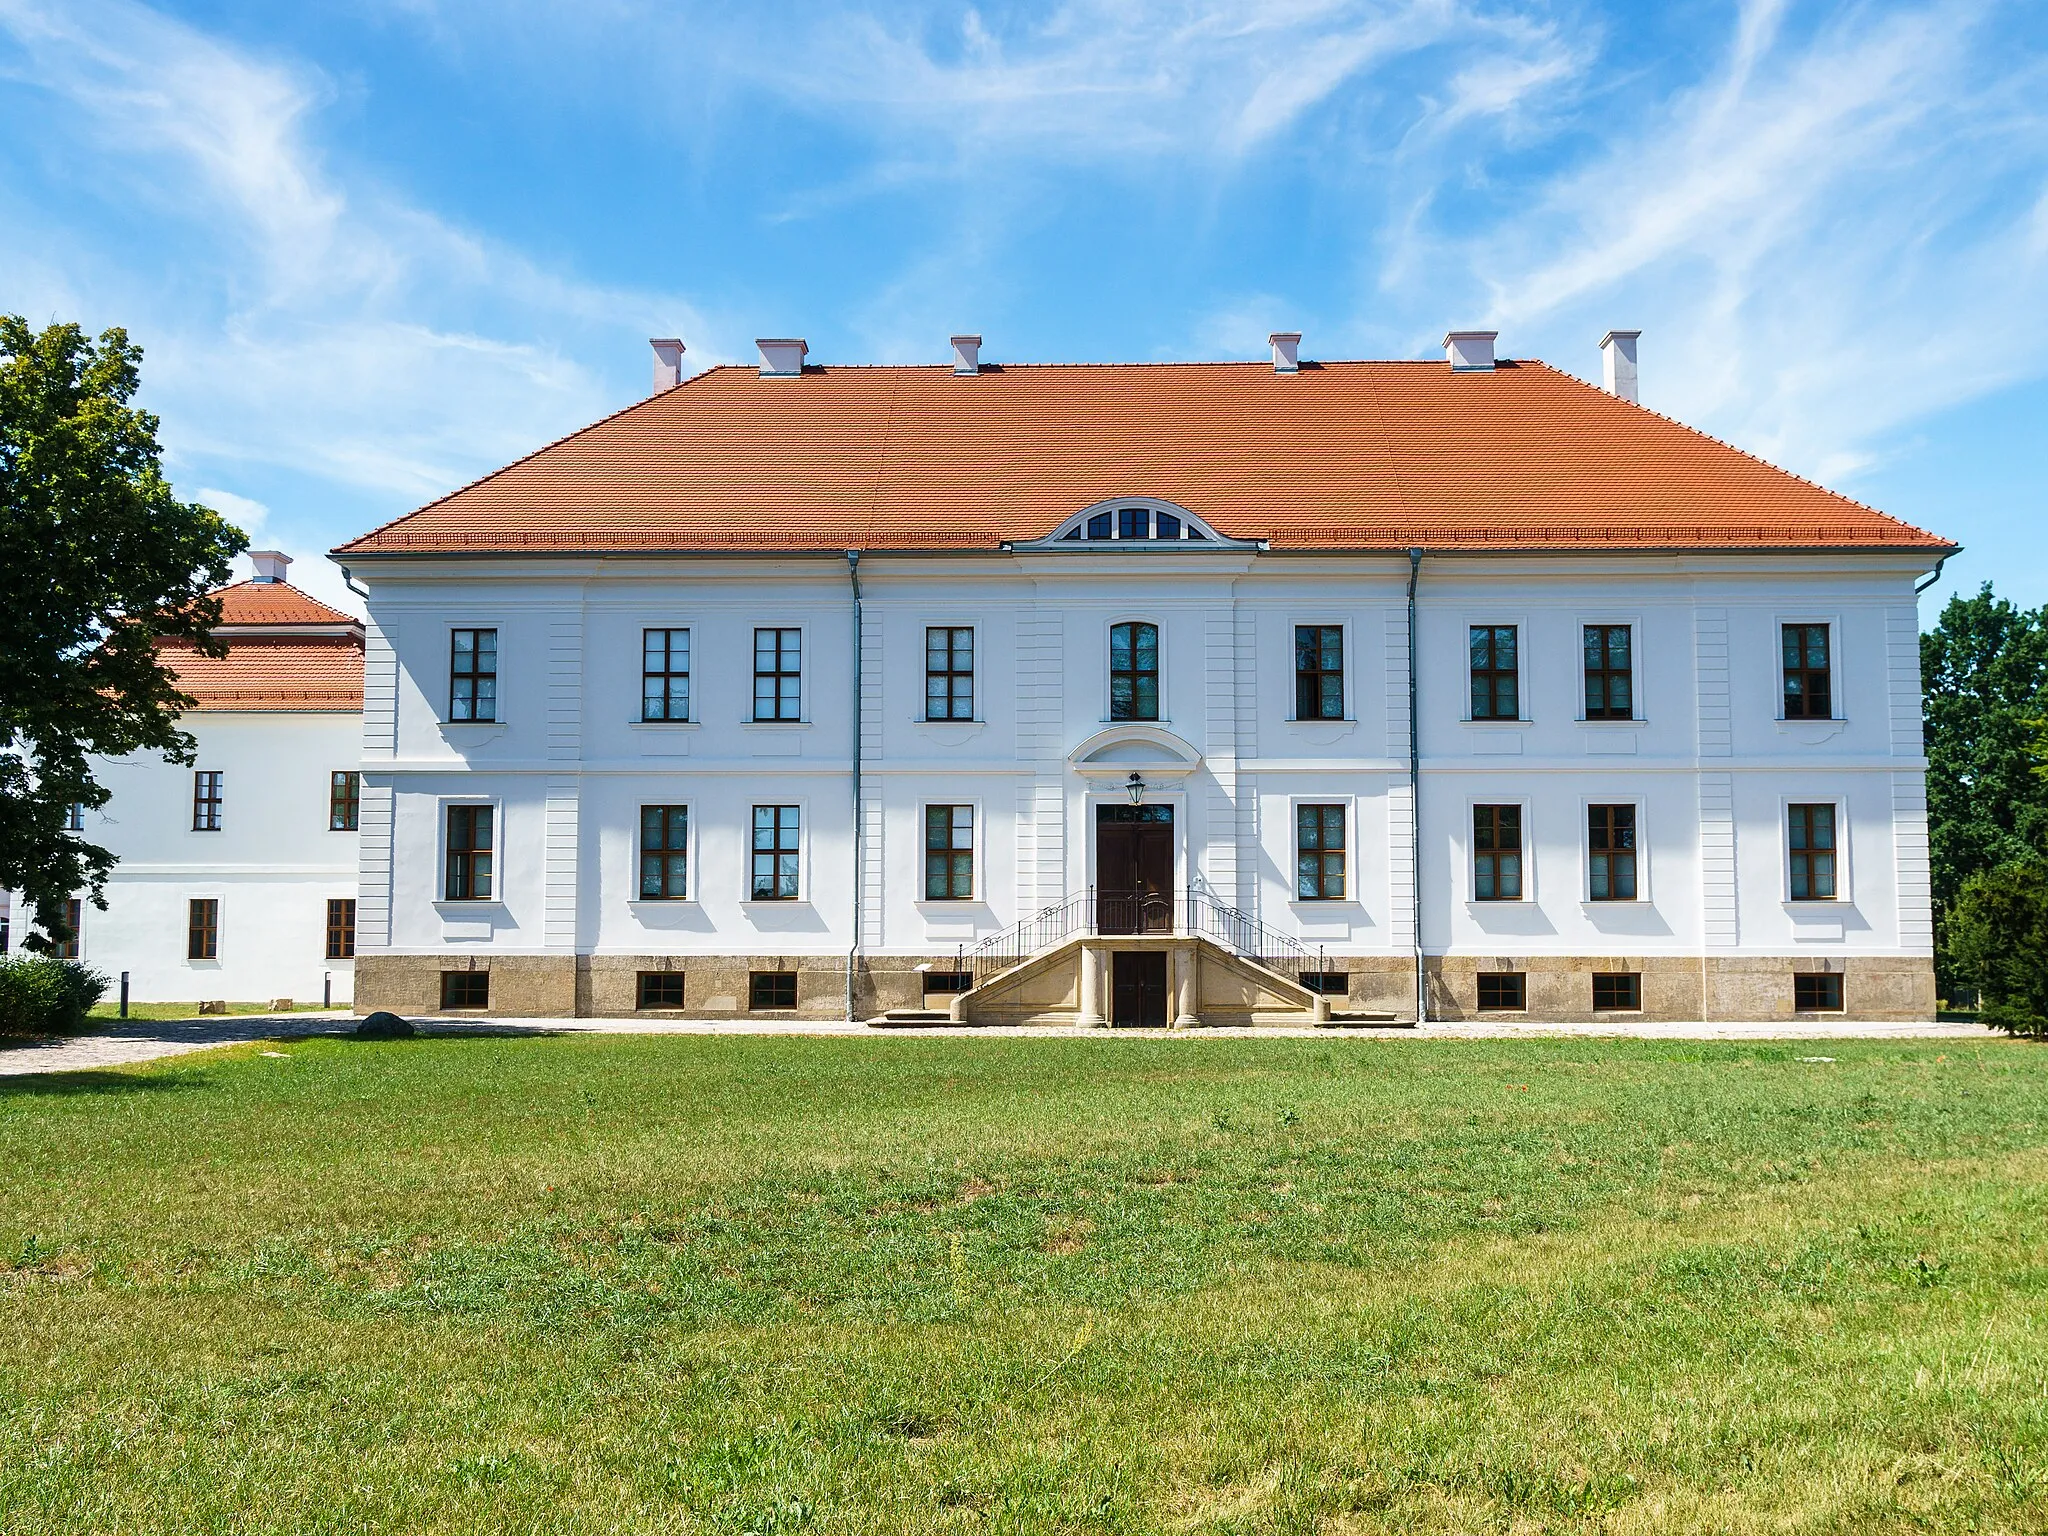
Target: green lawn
{"x":672,"y":1284}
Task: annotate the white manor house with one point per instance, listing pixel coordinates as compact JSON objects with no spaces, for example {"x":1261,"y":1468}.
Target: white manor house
{"x":1151,"y":694}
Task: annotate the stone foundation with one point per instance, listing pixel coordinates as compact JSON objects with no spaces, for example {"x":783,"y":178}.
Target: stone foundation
{"x":1559,"y":989}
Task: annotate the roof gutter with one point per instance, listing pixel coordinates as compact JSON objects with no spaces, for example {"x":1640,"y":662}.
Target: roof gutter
{"x":1935,"y":575}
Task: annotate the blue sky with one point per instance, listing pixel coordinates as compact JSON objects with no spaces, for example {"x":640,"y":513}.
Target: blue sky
{"x":373,"y":250}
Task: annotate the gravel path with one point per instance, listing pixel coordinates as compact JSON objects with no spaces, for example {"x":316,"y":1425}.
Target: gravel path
{"x":115,"y":1045}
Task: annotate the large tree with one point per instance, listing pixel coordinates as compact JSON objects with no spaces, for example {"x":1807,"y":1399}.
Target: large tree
{"x":99,"y":561}
{"x":1984,"y":668}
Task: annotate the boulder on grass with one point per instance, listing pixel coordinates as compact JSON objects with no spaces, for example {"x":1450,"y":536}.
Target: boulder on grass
{"x":384,"y":1026}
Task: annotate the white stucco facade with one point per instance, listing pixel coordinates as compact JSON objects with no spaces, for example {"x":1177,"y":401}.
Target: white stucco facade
{"x":1708,"y":764}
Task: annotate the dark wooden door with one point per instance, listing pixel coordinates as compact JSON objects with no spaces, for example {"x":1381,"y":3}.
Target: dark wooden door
{"x":1138,"y":989}
{"x":1134,"y":868}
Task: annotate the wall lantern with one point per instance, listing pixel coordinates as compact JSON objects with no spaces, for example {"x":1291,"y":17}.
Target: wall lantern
{"x":1134,"y":786}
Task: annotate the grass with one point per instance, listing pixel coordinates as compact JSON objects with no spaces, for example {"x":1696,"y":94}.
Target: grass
{"x":875,"y":1285}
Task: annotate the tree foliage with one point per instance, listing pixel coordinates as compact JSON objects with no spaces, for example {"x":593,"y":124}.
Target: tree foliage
{"x":1984,"y":669}
{"x":99,"y":561}
{"x":1998,"y":941}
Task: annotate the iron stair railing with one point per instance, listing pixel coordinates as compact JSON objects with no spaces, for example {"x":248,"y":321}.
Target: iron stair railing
{"x":1187,"y":914}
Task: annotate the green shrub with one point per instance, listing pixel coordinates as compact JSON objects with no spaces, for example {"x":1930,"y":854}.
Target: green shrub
{"x":41,"y":996}
{"x":1998,"y":934}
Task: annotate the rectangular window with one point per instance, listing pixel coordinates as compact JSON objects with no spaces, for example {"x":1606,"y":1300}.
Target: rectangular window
{"x":1820,"y":993}
{"x":1496,"y":853}
{"x":469,"y":852}
{"x":1611,"y":852}
{"x":948,"y":853}
{"x":1496,"y":690}
{"x":74,"y":818}
{"x":665,"y":674}
{"x":1502,"y":992}
{"x":465,"y":989}
{"x":1319,"y":852}
{"x":206,"y":800}
{"x":771,"y":989}
{"x":659,"y":989}
{"x":1329,"y":983}
{"x":776,"y":831}
{"x":74,"y":919}
{"x":341,"y":930}
{"x":1134,"y":672}
{"x":778,"y":674}
{"x":1610,"y":679}
{"x":202,"y":929}
{"x":949,"y":673}
{"x":1617,"y":992}
{"x":473,"y":674}
{"x":344,"y":800}
{"x":664,"y":852}
{"x":1811,"y":835}
{"x":1809,"y":687}
{"x":947,"y":983}
{"x":1318,"y":672}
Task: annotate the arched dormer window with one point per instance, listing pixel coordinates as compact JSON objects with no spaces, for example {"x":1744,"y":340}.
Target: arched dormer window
{"x":1136,"y":522}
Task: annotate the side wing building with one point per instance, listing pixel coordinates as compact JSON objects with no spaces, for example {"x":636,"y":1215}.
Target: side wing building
{"x":1214,"y":693}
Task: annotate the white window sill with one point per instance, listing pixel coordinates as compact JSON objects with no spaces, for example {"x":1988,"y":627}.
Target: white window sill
{"x":463,"y":725}
{"x":1162,"y":720}
{"x":778,"y":903}
{"x":1497,"y":725}
{"x":1635,"y":723}
{"x":1605,"y":906}
{"x":665,"y":725}
{"x":456,"y":908}
{"x":1474,"y":904}
{"x":1321,"y":720}
{"x":660,"y":903}
{"x":751,"y":724}
{"x":1816,"y":904}
{"x":940,"y":720}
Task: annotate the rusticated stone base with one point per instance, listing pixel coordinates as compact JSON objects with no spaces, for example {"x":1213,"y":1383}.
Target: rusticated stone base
{"x":1558,"y":988}
{"x":1677,"y":989}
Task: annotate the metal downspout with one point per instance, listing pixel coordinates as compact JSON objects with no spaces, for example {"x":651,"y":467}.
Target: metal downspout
{"x":859,"y":701}
{"x":1415,"y":798}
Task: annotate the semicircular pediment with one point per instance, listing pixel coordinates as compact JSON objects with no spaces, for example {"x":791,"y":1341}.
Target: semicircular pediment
{"x":1132,"y":523}
{"x":1124,"y":748}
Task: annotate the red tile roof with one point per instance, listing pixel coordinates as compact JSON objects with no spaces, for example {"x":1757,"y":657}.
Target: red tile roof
{"x":274,"y":602}
{"x":307,"y":671}
{"x":1370,"y":455}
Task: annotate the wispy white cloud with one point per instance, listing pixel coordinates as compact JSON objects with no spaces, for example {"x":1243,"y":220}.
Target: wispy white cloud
{"x":308,"y":321}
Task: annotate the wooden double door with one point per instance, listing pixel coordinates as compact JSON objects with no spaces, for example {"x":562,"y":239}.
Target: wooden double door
{"x":1134,"y":869}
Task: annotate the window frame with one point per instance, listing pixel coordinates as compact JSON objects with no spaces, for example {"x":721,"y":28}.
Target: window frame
{"x":668,"y":674}
{"x":688,"y":852}
{"x":1840,"y":990}
{"x":1158,"y":673}
{"x":1343,"y":670}
{"x":952,"y":854}
{"x":1627,"y":673}
{"x":1495,"y":672}
{"x":1840,"y":850}
{"x":952,"y":673}
{"x":1635,"y":992}
{"x":448,"y":974}
{"x":74,"y":816}
{"x":210,"y":929}
{"x":344,"y":800}
{"x":496,"y":874}
{"x":1479,"y":1003}
{"x":341,"y":937}
{"x":803,"y":823}
{"x":640,"y":990}
{"x":456,"y":675}
{"x":803,"y":643}
{"x":74,"y":918}
{"x":1638,"y":863}
{"x":754,"y":980}
{"x":1525,"y":869}
{"x":1344,"y":807}
{"x":1829,"y":627}
{"x":218,"y":801}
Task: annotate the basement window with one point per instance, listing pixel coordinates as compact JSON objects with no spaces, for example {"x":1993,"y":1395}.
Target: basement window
{"x":1617,"y":992}
{"x":771,"y":989}
{"x":1328,"y":983}
{"x":947,"y":983}
{"x":465,"y":989}
{"x":1502,"y":992}
{"x":1819,"y":993}
{"x":660,"y":989}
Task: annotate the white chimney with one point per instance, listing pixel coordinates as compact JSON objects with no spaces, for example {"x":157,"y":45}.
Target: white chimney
{"x":668,"y":362}
{"x":1470,"y":351}
{"x":1286,"y":351}
{"x":1618,"y":363}
{"x":967,"y":354}
{"x":782,"y":357}
{"x":269,"y":563}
